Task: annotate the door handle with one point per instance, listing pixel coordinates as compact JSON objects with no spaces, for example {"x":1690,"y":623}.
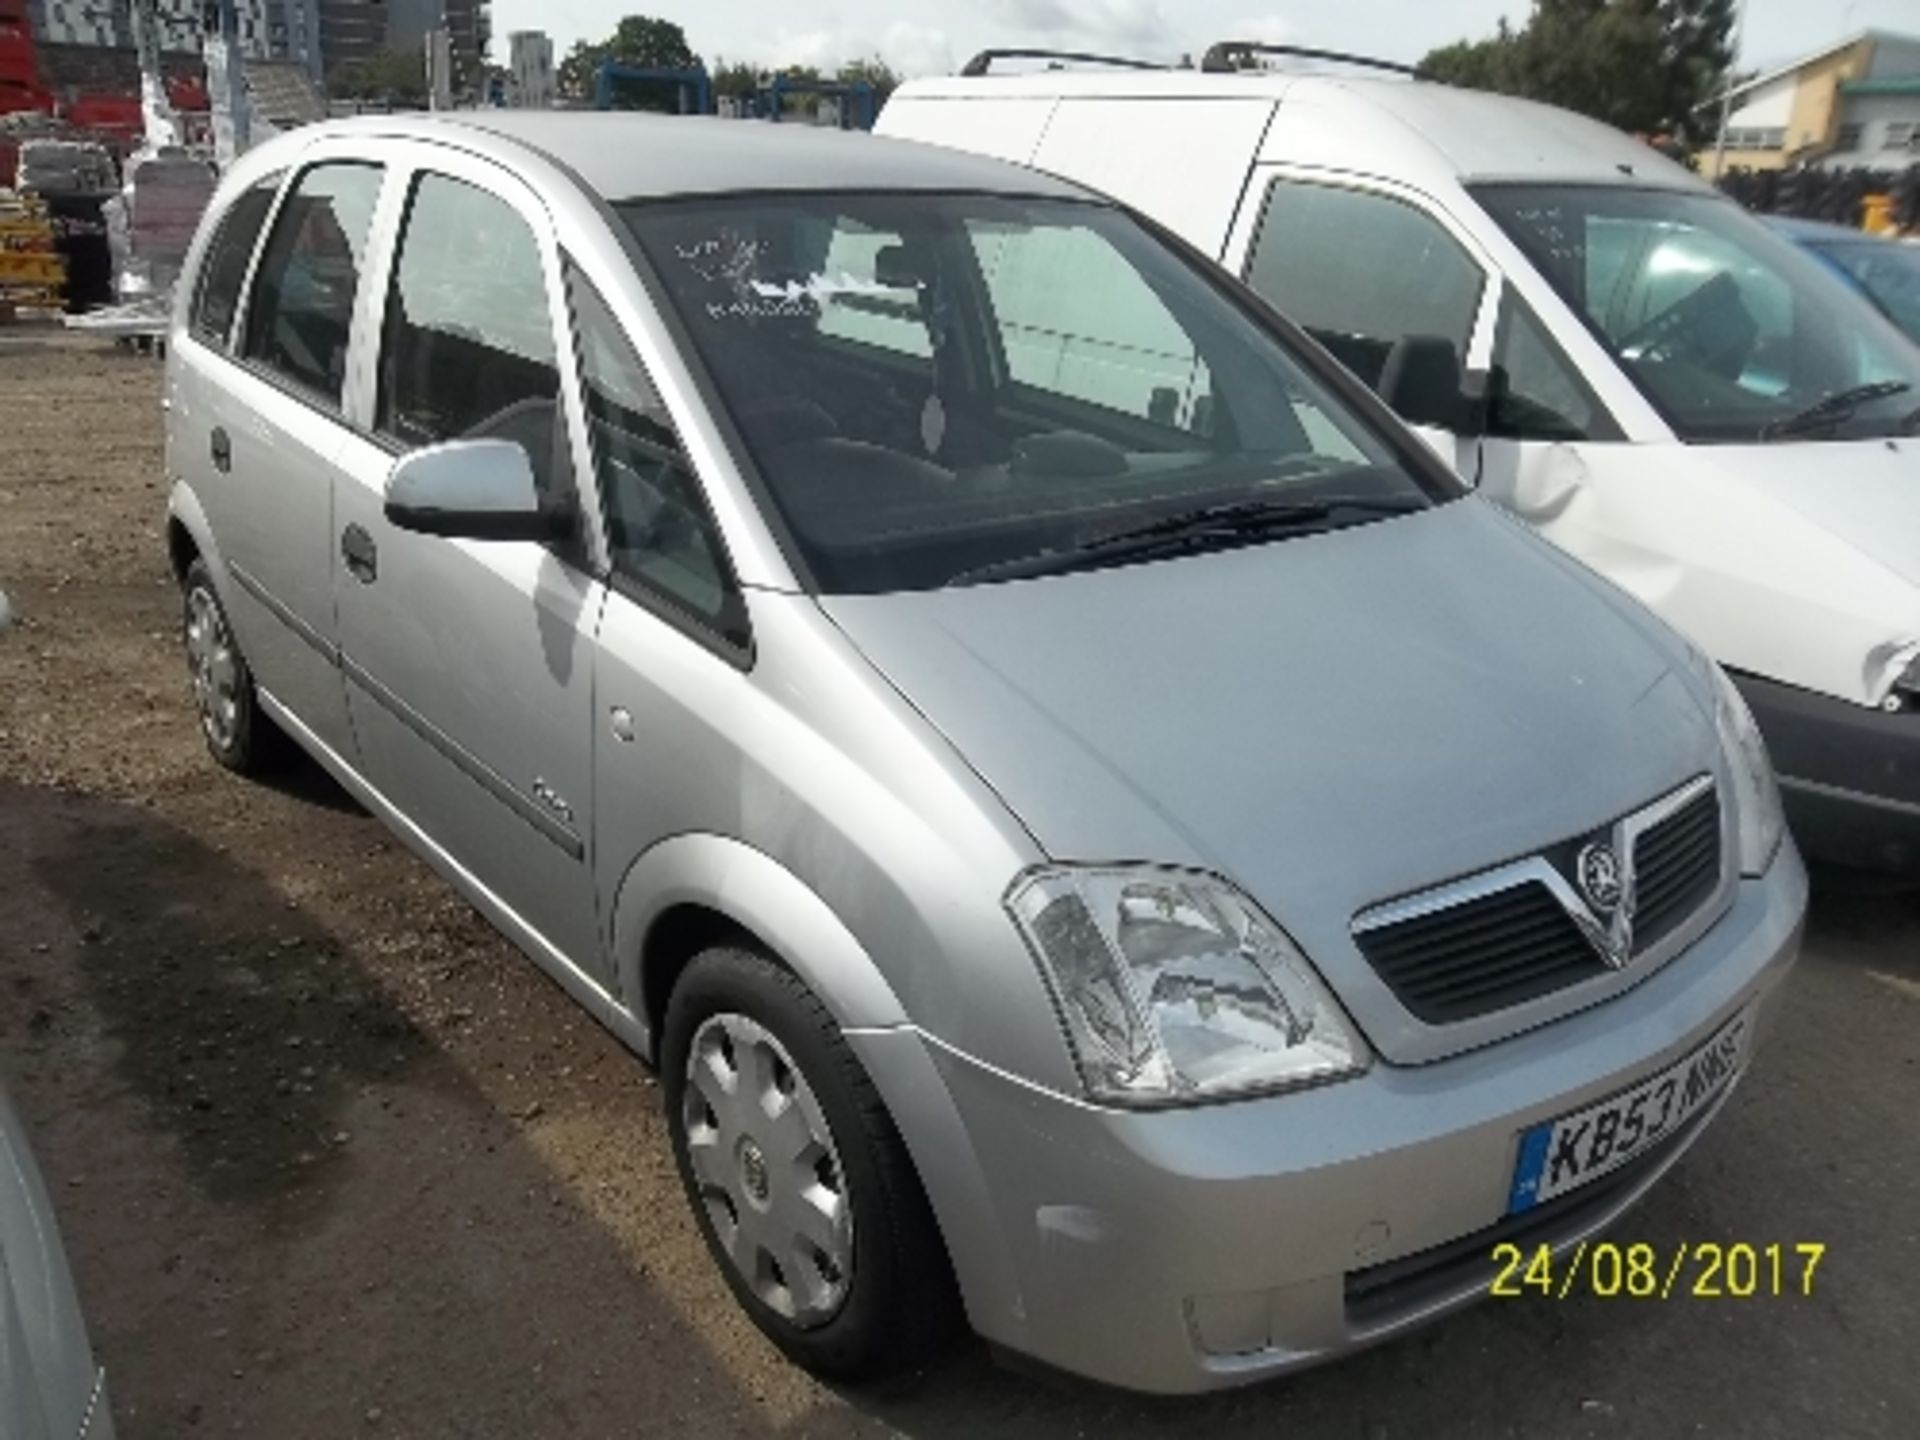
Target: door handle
{"x":361,"y":555}
{"x":220,"y":446}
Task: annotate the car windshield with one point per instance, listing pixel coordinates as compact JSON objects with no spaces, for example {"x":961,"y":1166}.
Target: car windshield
{"x":934,"y":387}
{"x":1889,"y":273}
{"x":1731,"y":332}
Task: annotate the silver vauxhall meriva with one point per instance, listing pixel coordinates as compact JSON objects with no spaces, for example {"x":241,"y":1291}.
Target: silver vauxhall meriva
{"x":1093,"y":826}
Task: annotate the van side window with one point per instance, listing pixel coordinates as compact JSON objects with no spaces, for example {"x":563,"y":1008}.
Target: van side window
{"x":1359,"y":271}
{"x":467,"y":351}
{"x":1536,"y":394}
{"x":868,"y":304}
{"x":301,"y":318}
{"x":1076,"y":319}
{"x":224,"y":270}
{"x":659,"y":530}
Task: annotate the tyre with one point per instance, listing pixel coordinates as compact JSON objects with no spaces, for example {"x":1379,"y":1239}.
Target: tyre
{"x":799,"y":1182}
{"x":237,"y":734}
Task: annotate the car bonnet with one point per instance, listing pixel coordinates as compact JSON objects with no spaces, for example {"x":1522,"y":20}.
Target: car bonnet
{"x":1329,"y":721}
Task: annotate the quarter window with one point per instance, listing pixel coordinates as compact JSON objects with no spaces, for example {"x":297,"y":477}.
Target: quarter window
{"x":1360,"y":271}
{"x":659,"y":530}
{"x":468,"y":351}
{"x":301,"y":318}
{"x":1536,"y":392}
{"x":224,"y":270}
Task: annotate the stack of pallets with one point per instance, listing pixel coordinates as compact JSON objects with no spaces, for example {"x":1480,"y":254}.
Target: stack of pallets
{"x":32,"y":273}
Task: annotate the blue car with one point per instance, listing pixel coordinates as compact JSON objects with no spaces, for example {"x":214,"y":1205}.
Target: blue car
{"x":1886,"y":271}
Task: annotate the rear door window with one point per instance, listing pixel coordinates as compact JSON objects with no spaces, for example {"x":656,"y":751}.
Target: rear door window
{"x":468,"y":347}
{"x":1359,"y":271}
{"x":224,"y":270}
{"x":301,"y":319}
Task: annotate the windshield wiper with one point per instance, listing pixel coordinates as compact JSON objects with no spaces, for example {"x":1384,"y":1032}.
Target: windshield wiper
{"x":1236,"y":522}
{"x":1832,"y":409}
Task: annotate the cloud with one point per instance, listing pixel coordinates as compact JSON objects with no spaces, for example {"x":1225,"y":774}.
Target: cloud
{"x":1271,"y":27}
{"x":1132,"y":22}
{"x":911,"y":49}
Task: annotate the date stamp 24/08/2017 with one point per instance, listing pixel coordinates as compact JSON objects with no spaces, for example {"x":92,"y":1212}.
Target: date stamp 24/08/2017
{"x":1703,"y":1270}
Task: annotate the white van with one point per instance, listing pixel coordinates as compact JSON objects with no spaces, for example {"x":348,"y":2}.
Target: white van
{"x":1588,"y":333}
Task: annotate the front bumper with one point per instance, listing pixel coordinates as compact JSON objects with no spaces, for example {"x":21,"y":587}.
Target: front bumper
{"x":1849,"y":776}
{"x":1186,"y":1250}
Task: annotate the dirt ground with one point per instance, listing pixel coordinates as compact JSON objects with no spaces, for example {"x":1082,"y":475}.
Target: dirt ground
{"x":332,"y":1160}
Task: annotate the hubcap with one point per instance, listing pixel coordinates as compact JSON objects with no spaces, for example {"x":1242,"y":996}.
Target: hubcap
{"x":766,"y":1169}
{"x":214,"y":667}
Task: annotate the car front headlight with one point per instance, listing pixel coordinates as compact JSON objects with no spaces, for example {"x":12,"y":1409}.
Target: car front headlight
{"x":1756,"y":794}
{"x":1905,"y":694}
{"x":1175,"y":988}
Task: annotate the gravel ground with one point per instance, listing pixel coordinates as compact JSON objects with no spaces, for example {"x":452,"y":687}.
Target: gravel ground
{"x":332,"y":1160}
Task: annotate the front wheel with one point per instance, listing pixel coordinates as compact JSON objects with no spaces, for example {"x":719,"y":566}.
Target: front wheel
{"x":798,"y":1180}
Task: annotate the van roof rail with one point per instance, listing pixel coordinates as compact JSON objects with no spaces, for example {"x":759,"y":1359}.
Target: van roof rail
{"x":982,"y":63}
{"x":1223,"y":56}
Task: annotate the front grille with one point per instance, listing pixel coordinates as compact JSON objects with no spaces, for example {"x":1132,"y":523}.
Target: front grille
{"x":1503,"y":944}
{"x":1677,"y":867}
{"x":1397,"y":1289}
{"x":1483,"y":954}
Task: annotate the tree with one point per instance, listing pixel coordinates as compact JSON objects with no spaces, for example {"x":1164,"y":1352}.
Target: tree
{"x":388,"y":75}
{"x":1699,"y":62}
{"x":1647,"y":66}
{"x":1475,"y":64}
{"x":737,"y":80}
{"x":639,"y":40}
{"x":875,"y":72}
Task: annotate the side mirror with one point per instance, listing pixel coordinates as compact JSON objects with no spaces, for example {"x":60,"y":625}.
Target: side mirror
{"x":1423,"y":384}
{"x":472,"y":490}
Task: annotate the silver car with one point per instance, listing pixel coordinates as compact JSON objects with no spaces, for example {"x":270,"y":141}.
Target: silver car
{"x":50,"y":1387}
{"x":1098,"y":833}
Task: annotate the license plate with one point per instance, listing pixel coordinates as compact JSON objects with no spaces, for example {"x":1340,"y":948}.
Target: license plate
{"x":1561,"y":1155}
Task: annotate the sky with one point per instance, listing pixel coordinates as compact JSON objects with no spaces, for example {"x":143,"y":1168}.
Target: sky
{"x":928,"y":37}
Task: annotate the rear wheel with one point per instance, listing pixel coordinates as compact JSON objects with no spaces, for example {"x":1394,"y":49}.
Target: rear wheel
{"x":798,"y":1180}
{"x":237,"y":734}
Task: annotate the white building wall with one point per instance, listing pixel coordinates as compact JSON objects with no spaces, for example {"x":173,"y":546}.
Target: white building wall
{"x":1881,"y":145}
{"x":1768,"y":107}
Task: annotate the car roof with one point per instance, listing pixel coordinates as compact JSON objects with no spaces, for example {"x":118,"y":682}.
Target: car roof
{"x":1794,"y":228}
{"x":1474,"y":134}
{"x":623,"y":155}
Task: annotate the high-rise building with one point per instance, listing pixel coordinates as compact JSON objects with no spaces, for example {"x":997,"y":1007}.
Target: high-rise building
{"x":530,"y":82}
{"x":321,"y":35}
{"x":268,"y":29}
{"x":352,"y":30}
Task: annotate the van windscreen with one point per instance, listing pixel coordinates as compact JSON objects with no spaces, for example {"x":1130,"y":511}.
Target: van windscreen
{"x":1733,"y":334}
{"x":933,"y":385}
